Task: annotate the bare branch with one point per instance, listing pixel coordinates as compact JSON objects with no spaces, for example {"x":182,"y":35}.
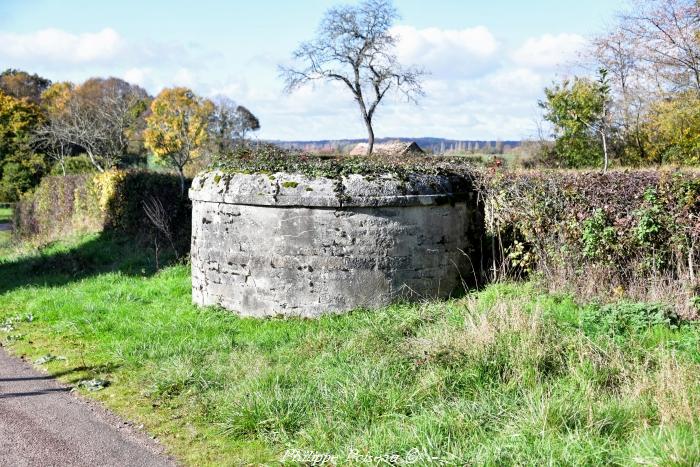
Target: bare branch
{"x":355,"y":46}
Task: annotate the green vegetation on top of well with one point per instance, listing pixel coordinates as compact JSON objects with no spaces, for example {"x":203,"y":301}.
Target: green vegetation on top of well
{"x":507,"y":375}
{"x":267,"y":159}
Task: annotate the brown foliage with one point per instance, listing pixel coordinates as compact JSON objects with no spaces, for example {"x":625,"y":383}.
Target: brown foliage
{"x":630,"y":232}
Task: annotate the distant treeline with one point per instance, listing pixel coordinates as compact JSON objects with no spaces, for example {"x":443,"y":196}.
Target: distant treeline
{"x":428,"y":144}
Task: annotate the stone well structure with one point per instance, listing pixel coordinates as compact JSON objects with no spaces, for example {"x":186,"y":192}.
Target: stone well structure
{"x":285,"y":244}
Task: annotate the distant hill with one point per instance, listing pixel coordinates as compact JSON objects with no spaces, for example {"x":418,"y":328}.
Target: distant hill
{"x":428,"y":144}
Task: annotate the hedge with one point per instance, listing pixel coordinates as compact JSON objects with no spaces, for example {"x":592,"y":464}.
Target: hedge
{"x":616,"y":231}
{"x":112,"y":201}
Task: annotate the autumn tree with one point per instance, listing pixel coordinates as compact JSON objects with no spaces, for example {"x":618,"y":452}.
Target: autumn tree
{"x":673,"y":129}
{"x":653,"y":56}
{"x":21,"y":167}
{"x":18,"y":118}
{"x":229,"y":124}
{"x":21,"y":84}
{"x":101,"y":116}
{"x":176,"y":130}
{"x":355,"y":46}
{"x":578,"y":112}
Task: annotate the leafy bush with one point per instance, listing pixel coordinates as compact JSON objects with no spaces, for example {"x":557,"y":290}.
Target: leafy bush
{"x":74,"y":165}
{"x":613,"y":232}
{"x":124,"y":209}
{"x":20,"y":173}
{"x":112,"y":200}
{"x":621,"y":319}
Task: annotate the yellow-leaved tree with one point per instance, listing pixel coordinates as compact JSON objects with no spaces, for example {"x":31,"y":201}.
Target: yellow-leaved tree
{"x":176,"y":131}
{"x":673,"y":128}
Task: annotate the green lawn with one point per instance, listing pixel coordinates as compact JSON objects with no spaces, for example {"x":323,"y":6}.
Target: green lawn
{"x":5,"y":215}
{"x":508,"y":375}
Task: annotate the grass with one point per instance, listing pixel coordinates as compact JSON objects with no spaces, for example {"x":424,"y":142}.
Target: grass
{"x":507,"y":375}
{"x":5,"y":215}
{"x":5,"y":218}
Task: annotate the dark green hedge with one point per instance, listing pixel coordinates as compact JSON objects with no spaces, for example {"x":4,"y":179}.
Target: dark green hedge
{"x":125,"y":208}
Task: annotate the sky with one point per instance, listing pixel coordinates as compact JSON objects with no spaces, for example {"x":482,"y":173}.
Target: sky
{"x":489,"y":60}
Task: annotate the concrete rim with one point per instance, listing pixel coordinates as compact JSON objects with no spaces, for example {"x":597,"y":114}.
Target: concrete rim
{"x":296,"y":190}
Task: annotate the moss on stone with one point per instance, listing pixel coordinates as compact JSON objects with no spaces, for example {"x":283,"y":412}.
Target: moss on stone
{"x":270,"y":159}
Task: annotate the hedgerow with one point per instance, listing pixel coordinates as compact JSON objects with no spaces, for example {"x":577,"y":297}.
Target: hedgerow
{"x":57,"y":207}
{"x":614,"y":232}
{"x":112,"y":200}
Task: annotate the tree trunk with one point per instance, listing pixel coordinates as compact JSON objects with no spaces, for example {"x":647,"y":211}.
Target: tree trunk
{"x":605,"y":153}
{"x":181,"y":173}
{"x":94,"y":161}
{"x":370,"y":136}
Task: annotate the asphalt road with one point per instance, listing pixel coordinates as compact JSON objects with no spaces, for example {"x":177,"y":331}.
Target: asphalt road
{"x":43,"y":424}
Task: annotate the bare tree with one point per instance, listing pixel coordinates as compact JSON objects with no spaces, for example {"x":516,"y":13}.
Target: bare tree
{"x":619,"y":53}
{"x":355,"y":46}
{"x":666,"y":33}
{"x":99,"y":116}
{"x":47,"y":138}
{"x":161,"y":220}
{"x":651,"y":53}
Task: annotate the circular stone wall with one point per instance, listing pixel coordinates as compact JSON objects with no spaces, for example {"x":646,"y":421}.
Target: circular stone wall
{"x":285,"y":244}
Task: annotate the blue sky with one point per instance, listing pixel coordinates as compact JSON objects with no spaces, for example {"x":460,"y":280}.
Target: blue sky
{"x":488,"y":59}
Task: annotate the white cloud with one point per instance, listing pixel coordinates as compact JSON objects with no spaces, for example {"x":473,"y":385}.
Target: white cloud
{"x":141,"y":76}
{"x":184,"y":77}
{"x":447,"y":53}
{"x":479,"y":86}
{"x":516,"y":82}
{"x":56,"y":45}
{"x":548,"y":51}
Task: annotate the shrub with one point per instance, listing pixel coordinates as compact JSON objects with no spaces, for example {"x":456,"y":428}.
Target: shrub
{"x":74,"y":165}
{"x":615,"y":232}
{"x":20,"y":173}
{"x":58,"y":206}
{"x":112,"y":200}
{"x":124,"y":209}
